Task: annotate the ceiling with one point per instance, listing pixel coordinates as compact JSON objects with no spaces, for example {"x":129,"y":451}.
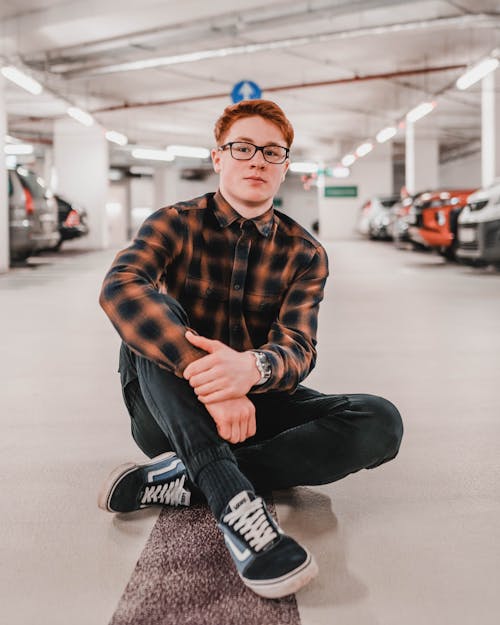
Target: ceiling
{"x":341,"y":69}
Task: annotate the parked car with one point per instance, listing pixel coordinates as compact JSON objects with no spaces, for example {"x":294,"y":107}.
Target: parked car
{"x":434,"y":218}
{"x":32,"y":214}
{"x":398,"y":220}
{"x":374,"y":216}
{"x":479,"y":227}
{"x":72,"y":221}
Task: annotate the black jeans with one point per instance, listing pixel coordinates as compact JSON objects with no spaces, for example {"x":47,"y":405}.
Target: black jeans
{"x":304,"y":438}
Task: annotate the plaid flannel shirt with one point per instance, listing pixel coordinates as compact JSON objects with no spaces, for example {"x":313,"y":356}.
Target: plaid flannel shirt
{"x":250,"y":283}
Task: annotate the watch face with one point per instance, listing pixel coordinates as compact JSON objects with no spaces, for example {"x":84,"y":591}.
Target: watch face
{"x":263,"y":366}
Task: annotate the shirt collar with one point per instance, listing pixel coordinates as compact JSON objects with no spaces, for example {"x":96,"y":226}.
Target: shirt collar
{"x":226,"y":215}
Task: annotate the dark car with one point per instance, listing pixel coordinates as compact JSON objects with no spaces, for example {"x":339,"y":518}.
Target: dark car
{"x":72,"y":221}
{"x":32,"y":214}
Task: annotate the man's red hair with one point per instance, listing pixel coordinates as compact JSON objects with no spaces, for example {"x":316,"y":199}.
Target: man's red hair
{"x":250,"y":108}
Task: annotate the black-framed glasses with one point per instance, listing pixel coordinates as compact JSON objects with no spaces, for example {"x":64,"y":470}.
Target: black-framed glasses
{"x":244,"y":151}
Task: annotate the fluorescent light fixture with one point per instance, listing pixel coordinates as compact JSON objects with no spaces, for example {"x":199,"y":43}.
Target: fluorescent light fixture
{"x":304,"y":167}
{"x":187,"y":151}
{"x":364,"y":149}
{"x":113,"y":209}
{"x":151,"y":155}
{"x":386,"y":133}
{"x":199,"y":55}
{"x":80,"y":116}
{"x":141,"y":170}
{"x":477,"y":72}
{"x":420,"y":111}
{"x":341,"y":172}
{"x":116,"y":137}
{"x":348,"y":160}
{"x":22,"y":80}
{"x":115,"y":174}
{"x":18,"y":148}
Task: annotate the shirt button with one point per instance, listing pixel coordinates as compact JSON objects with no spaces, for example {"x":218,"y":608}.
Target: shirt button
{"x":237,"y":287}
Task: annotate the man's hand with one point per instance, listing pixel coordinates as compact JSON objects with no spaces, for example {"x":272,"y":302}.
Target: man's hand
{"x":221,"y":375}
{"x":234,"y":418}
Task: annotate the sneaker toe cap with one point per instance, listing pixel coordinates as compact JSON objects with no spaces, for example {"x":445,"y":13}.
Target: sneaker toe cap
{"x":282,"y":558}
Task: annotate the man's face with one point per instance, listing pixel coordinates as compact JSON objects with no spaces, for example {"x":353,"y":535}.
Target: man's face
{"x":253,"y":183}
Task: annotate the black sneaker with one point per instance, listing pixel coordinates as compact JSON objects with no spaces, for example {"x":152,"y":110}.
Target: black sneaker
{"x":157,"y":482}
{"x":269,"y":562}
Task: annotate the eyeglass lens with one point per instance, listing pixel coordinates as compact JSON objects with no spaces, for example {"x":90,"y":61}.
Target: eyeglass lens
{"x":245,"y":151}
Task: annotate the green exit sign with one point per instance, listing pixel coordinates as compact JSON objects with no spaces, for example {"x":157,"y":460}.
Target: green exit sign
{"x":341,"y":191}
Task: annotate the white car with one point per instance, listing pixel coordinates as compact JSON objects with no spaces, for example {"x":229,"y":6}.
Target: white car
{"x":375,"y":216}
{"x":479,"y":227}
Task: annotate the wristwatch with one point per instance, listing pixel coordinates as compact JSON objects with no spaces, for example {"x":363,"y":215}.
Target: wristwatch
{"x":263,"y":365}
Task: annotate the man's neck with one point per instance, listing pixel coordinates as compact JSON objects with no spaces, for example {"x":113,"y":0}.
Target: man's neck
{"x":246,"y":209}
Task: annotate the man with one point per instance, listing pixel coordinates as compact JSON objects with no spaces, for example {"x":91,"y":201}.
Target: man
{"x":216,"y":301}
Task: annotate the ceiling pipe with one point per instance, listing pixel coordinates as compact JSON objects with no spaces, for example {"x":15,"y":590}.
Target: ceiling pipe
{"x":234,"y":22}
{"x":322,"y":83}
{"x":463,"y":21}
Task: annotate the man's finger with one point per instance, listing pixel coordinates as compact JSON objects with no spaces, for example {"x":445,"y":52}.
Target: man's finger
{"x":216,"y":397}
{"x":201,"y":341}
{"x":235,"y":432}
{"x":224,"y":432}
{"x":208,"y":388}
{"x":251,"y":429}
{"x":202,"y":379}
{"x":198,"y":366}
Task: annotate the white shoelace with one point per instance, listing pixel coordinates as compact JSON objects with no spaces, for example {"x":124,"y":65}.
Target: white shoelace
{"x":169,"y":493}
{"x":251,"y":522}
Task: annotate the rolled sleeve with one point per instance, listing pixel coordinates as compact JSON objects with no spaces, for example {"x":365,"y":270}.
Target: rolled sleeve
{"x":131,"y":298}
{"x":291,"y":342}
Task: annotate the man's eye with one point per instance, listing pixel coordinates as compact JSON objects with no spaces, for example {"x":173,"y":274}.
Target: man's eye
{"x":272,"y":151}
{"x":243,"y":149}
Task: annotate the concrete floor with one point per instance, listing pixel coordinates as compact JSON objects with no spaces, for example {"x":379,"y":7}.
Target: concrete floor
{"x":414,"y":542}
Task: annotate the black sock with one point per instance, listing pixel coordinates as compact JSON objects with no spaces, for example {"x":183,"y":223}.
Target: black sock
{"x":220,"y":481}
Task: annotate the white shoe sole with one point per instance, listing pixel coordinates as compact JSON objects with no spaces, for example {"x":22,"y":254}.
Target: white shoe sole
{"x":287,"y":584}
{"x":108,"y":488}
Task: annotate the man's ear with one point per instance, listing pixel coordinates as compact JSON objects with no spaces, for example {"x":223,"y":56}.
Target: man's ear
{"x":287,"y":165}
{"x":216,"y":158}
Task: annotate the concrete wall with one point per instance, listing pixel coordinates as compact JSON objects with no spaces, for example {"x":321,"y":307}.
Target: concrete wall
{"x":373,"y":175}
{"x":465,"y":172}
{"x":299,"y":204}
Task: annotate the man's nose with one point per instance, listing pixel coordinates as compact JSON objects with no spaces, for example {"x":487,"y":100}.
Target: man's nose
{"x":258,"y":159}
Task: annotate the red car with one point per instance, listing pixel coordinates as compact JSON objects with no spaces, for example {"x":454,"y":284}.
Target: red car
{"x":433,"y":219}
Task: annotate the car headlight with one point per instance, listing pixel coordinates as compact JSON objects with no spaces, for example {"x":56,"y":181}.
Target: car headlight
{"x":440,"y":218}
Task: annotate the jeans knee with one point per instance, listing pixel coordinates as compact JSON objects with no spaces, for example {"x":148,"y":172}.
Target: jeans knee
{"x":390,"y":424}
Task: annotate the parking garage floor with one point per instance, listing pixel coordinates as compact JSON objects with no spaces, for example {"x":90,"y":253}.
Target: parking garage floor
{"x":414,"y":541}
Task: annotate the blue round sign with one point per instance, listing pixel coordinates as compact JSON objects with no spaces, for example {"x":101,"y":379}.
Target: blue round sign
{"x":245,"y":90}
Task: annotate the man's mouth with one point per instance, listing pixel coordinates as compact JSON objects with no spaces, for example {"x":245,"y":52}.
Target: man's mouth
{"x":256,"y":178}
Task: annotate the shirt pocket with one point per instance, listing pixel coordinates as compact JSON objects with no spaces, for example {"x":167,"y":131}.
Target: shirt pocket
{"x":265,"y":304}
{"x":197,"y":288}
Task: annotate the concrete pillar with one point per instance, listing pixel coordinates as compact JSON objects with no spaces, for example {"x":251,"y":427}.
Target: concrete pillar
{"x":370,"y":175}
{"x":81,"y":160}
{"x":166,"y":179}
{"x":4,"y":199}
{"x":422,"y":157}
{"x":490,"y":128}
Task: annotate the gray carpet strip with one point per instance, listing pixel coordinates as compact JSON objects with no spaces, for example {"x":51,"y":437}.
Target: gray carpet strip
{"x":185,"y":576}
